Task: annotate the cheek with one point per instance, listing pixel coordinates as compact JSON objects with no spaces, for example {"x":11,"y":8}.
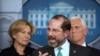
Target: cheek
{"x":16,"y":37}
{"x":19,"y":37}
{"x":79,"y":32}
{"x":85,"y":32}
{"x":60,"y":35}
{"x":29,"y":37}
{"x":47,"y":33}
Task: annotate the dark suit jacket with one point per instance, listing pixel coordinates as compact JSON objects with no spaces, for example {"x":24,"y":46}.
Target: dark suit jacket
{"x":75,"y":50}
{"x":12,"y":52}
{"x":93,"y":51}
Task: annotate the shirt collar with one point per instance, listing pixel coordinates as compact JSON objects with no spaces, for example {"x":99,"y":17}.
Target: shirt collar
{"x":65,"y":48}
{"x":84,"y":44}
{"x":65,"y":45}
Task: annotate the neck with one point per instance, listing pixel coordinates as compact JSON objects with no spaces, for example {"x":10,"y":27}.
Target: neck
{"x":60,"y":44}
{"x":19,"y":48}
{"x":79,"y":42}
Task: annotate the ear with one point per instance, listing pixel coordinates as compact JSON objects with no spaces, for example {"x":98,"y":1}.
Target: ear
{"x":67,"y":32}
{"x":14,"y":36}
{"x":86,"y":31}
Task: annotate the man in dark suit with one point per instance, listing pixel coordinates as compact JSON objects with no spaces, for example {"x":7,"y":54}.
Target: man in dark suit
{"x":58,"y":45}
{"x":78,"y":34}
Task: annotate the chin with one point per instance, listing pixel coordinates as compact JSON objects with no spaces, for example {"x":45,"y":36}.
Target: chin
{"x":24,"y":44}
{"x":52,"y":44}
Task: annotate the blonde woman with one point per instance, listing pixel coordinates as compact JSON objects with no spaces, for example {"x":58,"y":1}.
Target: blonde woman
{"x":20,"y":32}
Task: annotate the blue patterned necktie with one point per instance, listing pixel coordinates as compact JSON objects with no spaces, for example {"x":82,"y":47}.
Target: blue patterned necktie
{"x":59,"y":52}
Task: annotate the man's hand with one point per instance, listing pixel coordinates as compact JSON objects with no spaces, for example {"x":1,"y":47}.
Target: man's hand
{"x":44,"y":54}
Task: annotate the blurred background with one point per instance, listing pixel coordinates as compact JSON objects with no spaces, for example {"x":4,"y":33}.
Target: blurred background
{"x":39,"y":13}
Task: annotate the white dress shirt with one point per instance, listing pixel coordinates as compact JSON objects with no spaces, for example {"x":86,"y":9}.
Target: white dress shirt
{"x":84,"y":44}
{"x":65,"y":49}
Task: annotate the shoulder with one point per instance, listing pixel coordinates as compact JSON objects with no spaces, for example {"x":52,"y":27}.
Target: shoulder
{"x":76,"y":46}
{"x":94,"y":51}
{"x":5,"y":51}
{"x":29,"y":50}
{"x":45,"y":48}
{"x":79,"y":48}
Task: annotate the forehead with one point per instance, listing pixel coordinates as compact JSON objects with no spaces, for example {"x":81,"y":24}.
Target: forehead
{"x":54,"y":23}
{"x":76,"y":22}
{"x":24,"y":27}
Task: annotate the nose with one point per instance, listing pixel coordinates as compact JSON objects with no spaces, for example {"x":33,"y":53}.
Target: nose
{"x":27,"y":36}
{"x":50,"y":33}
{"x":72,"y":30}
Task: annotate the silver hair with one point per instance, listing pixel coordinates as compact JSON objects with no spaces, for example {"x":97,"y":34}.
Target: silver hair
{"x":82,"y":20}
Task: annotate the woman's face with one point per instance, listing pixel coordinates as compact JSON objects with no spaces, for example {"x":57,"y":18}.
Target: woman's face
{"x":23,"y":36}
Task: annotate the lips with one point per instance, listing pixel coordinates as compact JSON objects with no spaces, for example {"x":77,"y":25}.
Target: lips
{"x":51,"y":39}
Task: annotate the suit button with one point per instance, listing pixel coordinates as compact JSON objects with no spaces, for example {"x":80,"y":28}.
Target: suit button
{"x":74,"y":51}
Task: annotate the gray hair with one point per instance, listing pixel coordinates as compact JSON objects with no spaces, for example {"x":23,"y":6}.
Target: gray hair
{"x":82,"y":20}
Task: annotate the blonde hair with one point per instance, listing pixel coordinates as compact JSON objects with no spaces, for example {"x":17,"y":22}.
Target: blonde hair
{"x":18,"y":26}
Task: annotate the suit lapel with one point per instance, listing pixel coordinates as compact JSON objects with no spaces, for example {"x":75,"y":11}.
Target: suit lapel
{"x":51,"y":51}
{"x":76,"y":50}
{"x":73,"y":51}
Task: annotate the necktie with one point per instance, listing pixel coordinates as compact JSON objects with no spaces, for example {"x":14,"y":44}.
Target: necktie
{"x":59,"y":52}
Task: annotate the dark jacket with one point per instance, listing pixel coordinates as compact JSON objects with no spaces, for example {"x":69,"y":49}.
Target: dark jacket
{"x":93,"y":51}
{"x":12,"y":52}
{"x":75,"y":50}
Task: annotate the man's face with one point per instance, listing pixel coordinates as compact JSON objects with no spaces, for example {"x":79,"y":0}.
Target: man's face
{"x":78,"y":31}
{"x":56,"y":35}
